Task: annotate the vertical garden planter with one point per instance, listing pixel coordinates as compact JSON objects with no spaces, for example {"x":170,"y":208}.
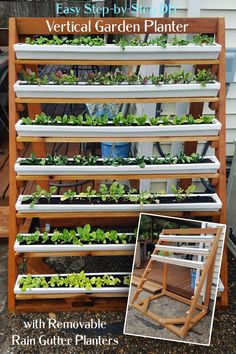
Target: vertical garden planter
{"x":22,"y":89}
{"x":211,"y":165}
{"x":82,"y":93}
{"x":198,"y":202}
{"x":114,"y":52}
{"x":118,"y":131}
{"x":74,"y":290}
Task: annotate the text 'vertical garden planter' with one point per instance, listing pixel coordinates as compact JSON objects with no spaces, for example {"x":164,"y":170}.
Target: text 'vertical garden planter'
{"x":118,"y":131}
{"x":47,"y":248}
{"x":208,"y":165}
{"x":114,"y":52}
{"x":72,"y":290}
{"x":82,"y":90}
{"x":194,"y":202}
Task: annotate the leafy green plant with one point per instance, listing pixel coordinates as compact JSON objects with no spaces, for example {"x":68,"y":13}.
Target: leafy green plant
{"x":91,"y":160}
{"x":101,"y":120}
{"x":179,"y":77}
{"x":127,"y":280}
{"x":29,"y":282}
{"x":59,"y":78}
{"x":34,"y":197}
{"x":118,"y":120}
{"x":55,"y":40}
{"x":181,"y":194}
{"x":85,"y":160}
{"x":31,"y":239}
{"x":175,"y":41}
{"x":104,"y":192}
{"x":56,"y":281}
{"x":56,"y":160}
{"x":90,"y":193}
{"x":116,"y":191}
{"x":68,"y":195}
{"x":123,"y":42}
{"x":203,"y":77}
{"x":156,"y":79}
{"x":39,"y":193}
{"x":31,"y":78}
{"x":82,"y":235}
{"x":48,"y":194}
{"x":160,"y":41}
{"x":32,"y":160}
{"x":26,"y":121}
{"x":201,"y":39}
{"x":198,"y":39}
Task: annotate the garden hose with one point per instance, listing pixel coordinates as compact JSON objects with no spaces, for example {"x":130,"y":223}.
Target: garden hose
{"x":159,"y":149}
{"x":75,"y":184}
{"x":208,"y":186}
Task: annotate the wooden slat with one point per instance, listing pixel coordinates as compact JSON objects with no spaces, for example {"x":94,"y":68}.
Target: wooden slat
{"x":184,"y":250}
{"x":71,"y":305}
{"x":111,"y":214}
{"x":115,"y":176}
{"x":178,"y":261}
{"x":26,"y":26}
{"x":21,"y":139}
{"x":148,"y":285}
{"x":182,"y":299}
{"x":221,"y":152}
{"x":189,"y":231}
{"x":64,"y":296}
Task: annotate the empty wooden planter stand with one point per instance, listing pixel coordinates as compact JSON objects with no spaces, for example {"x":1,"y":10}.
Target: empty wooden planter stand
{"x":24,"y":27}
{"x":181,"y":326}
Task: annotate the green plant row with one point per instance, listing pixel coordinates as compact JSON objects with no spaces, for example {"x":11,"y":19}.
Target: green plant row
{"x":198,"y":39}
{"x":58,"y":78}
{"x":75,"y":280}
{"x":118,"y":120}
{"x":80,"y":236}
{"x":114,"y":193}
{"x":59,"y":160}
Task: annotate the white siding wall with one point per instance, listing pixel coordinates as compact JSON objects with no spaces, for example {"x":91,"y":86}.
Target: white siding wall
{"x":209,"y":8}
{"x":227,"y":9}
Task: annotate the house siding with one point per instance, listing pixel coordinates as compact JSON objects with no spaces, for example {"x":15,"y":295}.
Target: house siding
{"x":209,"y":8}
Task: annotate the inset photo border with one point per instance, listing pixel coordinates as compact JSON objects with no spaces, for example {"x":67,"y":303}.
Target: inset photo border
{"x":175,"y":279}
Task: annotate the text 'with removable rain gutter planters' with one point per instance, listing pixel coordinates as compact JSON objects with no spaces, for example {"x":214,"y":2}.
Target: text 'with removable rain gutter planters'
{"x":126,"y":26}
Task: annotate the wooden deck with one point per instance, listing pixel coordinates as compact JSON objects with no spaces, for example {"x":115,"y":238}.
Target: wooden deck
{"x":178,"y":280}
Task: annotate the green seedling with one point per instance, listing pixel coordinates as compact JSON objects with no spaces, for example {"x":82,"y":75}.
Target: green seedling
{"x":68,"y":195}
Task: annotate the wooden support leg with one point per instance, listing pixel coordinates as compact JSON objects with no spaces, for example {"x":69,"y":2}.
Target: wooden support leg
{"x":142,"y":281}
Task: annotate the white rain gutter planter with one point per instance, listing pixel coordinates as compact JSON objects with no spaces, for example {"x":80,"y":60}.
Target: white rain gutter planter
{"x":82,"y":90}
{"x":35,"y":170}
{"x":215,"y":205}
{"x":67,"y":290}
{"x":72,"y":248}
{"x":115,"y":52}
{"x":118,"y":131}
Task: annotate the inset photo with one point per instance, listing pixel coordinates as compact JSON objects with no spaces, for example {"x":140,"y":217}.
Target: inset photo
{"x":175,"y":279}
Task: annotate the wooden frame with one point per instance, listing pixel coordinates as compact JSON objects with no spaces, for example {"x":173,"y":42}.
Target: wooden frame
{"x":206,"y":266}
{"x":21,"y":27}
